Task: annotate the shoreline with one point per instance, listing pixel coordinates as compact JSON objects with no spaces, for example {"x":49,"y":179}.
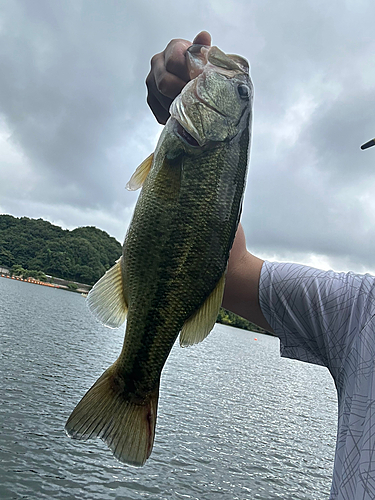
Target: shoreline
{"x":82,"y":288}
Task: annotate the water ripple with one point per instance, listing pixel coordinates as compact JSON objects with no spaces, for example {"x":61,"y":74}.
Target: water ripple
{"x":235,"y":421}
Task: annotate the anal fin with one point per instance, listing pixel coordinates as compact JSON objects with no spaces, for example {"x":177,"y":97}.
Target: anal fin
{"x":199,"y":325}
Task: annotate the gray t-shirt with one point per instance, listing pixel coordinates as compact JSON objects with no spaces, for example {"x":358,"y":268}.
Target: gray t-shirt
{"x":328,"y":318}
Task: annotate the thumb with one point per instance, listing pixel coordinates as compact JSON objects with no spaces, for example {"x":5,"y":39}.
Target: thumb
{"x":203,"y":38}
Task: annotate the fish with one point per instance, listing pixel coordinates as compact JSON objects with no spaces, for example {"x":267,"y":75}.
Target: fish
{"x":169,"y":281}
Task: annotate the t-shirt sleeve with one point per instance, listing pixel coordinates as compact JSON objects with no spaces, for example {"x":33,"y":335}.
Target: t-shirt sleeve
{"x":316,"y":314}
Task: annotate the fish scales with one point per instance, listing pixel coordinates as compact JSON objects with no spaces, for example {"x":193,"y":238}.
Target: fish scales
{"x":174,"y":286}
{"x":171,"y":276}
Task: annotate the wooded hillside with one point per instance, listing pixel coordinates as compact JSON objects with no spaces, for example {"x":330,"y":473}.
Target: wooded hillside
{"x":83,"y":254}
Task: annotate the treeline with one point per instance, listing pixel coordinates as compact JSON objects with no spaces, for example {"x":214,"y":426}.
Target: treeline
{"x":228,"y":318}
{"x":83,"y":254}
{"x":35,"y":247}
{"x":17,"y":270}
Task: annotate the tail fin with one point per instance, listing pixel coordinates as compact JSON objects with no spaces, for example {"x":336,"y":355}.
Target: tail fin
{"x":126,"y":427}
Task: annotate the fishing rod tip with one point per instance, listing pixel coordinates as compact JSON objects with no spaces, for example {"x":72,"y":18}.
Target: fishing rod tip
{"x":368,"y":144}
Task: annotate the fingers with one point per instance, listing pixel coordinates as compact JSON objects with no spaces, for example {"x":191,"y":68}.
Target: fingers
{"x":160,"y":112}
{"x":169,"y":74}
{"x":163,"y":85}
{"x":174,"y":59}
{"x":203,"y":38}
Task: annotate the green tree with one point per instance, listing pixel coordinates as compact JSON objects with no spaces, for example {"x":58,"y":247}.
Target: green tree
{"x":18,"y":270}
{"x":82,"y":255}
{"x":229,"y":318}
{"x":6,"y":258}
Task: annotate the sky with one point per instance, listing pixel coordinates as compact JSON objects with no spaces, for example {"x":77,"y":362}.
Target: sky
{"x":74,"y":122}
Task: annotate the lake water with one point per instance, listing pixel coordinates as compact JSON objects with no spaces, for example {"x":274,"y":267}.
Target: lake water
{"x":235,"y":421}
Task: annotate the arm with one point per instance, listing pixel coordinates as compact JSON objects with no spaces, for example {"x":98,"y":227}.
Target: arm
{"x":167,"y":77}
{"x":241,"y":293}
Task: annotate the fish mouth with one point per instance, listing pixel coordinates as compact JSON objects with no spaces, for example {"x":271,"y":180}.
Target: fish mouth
{"x":184,"y":126}
{"x":184,"y":135}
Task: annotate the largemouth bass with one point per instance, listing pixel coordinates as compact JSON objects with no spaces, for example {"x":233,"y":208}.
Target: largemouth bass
{"x":170,"y":278}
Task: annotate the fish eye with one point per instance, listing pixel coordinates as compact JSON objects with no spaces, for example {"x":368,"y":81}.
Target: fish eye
{"x":244,"y":91}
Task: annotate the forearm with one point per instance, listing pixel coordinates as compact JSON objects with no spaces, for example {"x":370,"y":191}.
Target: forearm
{"x":241,"y":294}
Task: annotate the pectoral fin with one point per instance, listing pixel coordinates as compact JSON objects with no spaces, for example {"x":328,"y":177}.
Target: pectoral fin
{"x":106,"y":299}
{"x":138,"y":178}
{"x":199,"y":325}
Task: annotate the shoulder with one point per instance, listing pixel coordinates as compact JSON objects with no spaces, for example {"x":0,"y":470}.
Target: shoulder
{"x":323,"y":311}
{"x":286,"y":277}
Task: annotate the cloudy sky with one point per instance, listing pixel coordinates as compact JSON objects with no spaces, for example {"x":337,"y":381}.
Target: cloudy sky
{"x":74,"y":123}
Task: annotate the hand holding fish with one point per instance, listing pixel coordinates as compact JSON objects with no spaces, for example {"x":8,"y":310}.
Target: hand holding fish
{"x":169,"y":74}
